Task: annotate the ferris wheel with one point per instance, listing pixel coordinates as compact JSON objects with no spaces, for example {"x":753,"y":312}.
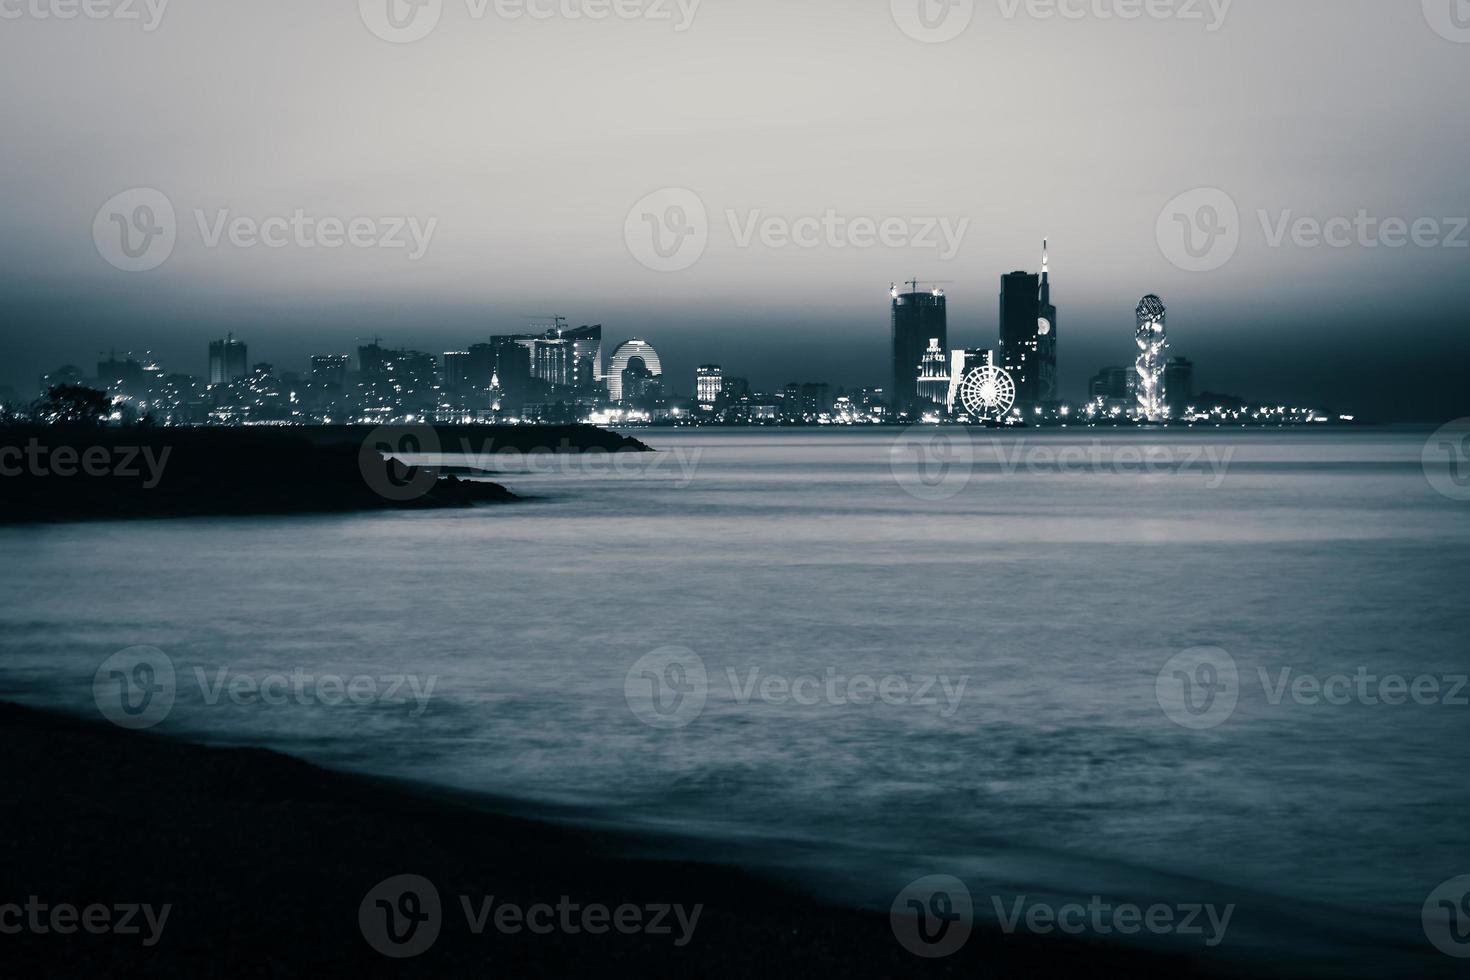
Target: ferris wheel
{"x":987,"y":392}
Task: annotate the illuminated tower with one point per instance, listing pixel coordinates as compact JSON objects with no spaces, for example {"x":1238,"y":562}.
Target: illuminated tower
{"x":1020,"y":339}
{"x":227,"y":360}
{"x":496,"y":393}
{"x":709,"y":380}
{"x":933,"y":379}
{"x":1046,"y":335}
{"x":918,"y":317}
{"x":1152,"y":341}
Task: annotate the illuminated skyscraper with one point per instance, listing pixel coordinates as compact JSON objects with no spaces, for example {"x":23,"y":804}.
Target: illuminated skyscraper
{"x":918,"y":318}
{"x":513,"y":367}
{"x":1020,"y":338}
{"x":586,"y":356}
{"x":551,"y":360}
{"x":933,"y":380}
{"x":1152,"y":339}
{"x":708,"y":383}
{"x":627,"y":353}
{"x":1046,"y":335}
{"x":456,"y":370}
{"x":330,"y":370}
{"x":226,"y":360}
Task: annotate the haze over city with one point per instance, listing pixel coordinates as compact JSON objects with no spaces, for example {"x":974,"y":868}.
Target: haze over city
{"x":528,"y":140}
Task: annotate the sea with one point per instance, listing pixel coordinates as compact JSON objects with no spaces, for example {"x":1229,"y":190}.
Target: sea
{"x":1190,"y":667}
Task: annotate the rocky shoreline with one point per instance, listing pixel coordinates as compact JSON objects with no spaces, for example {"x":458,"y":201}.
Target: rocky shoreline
{"x":67,"y":473}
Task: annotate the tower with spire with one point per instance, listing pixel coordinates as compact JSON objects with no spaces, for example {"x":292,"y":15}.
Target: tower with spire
{"x":496,"y":394}
{"x":1046,"y":333}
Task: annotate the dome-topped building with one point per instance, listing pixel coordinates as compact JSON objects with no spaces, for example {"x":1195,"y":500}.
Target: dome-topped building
{"x":627,"y":353}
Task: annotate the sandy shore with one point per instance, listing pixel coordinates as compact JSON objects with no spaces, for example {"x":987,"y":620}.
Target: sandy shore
{"x":249,"y":863}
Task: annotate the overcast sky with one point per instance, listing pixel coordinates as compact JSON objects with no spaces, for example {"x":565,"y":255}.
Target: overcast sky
{"x":520,"y":149}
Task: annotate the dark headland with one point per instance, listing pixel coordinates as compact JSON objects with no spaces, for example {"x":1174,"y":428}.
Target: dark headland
{"x":265,"y":861}
{"x":56,"y":473}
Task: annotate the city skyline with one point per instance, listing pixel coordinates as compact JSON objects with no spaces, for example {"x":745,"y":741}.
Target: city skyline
{"x":528,"y":199}
{"x":1258,"y":374}
{"x":925,"y":373}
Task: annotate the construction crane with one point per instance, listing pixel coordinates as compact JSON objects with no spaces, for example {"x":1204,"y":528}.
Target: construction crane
{"x":915,"y":283}
{"x":559,"y":323}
